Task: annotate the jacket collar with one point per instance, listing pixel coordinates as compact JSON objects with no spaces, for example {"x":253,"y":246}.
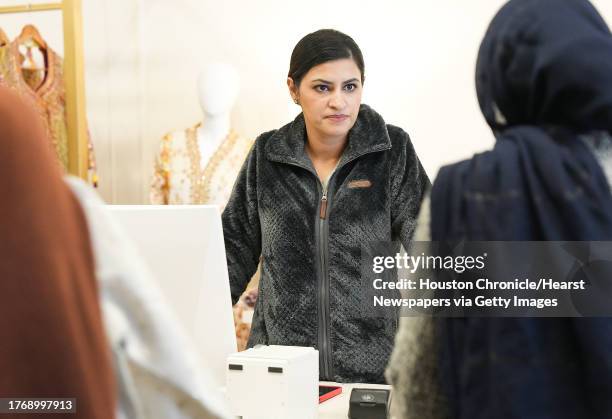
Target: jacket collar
{"x":368,"y":135}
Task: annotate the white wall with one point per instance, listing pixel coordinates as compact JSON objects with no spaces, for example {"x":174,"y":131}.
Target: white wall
{"x":143,"y":56}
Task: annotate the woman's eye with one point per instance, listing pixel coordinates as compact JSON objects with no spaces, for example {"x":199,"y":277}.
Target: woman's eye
{"x":350,"y":87}
{"x":322,"y":88}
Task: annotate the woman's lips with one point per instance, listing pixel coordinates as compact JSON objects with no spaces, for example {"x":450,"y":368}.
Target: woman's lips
{"x":337,"y":118}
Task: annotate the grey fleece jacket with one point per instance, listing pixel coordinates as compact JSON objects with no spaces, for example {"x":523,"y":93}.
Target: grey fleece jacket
{"x":310,"y":244}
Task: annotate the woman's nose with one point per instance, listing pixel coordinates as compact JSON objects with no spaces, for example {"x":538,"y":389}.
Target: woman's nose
{"x":337,"y":101}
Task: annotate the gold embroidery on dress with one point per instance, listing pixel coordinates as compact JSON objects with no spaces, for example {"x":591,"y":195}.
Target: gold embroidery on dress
{"x":178,"y":175}
{"x":164,"y":158}
{"x":201,"y":180}
{"x":195,"y":175}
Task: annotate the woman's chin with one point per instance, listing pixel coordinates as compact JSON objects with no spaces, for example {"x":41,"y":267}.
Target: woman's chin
{"x":336,"y":131}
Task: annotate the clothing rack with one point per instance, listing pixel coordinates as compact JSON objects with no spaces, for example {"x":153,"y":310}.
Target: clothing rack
{"x":74,"y":78}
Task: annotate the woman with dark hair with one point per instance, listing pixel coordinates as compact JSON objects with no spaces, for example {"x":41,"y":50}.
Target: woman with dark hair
{"x":544,"y":83}
{"x":308,"y":195}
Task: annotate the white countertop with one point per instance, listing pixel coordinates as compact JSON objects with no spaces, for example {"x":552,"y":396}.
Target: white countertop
{"x":338,"y":406}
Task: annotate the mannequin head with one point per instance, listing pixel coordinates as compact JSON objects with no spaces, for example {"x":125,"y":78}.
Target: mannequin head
{"x":218,"y":86}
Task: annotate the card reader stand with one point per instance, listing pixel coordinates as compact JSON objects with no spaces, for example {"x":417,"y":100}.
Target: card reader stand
{"x":369,"y":403}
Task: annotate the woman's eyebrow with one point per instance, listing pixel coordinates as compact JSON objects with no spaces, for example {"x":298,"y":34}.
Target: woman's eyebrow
{"x":354,"y":79}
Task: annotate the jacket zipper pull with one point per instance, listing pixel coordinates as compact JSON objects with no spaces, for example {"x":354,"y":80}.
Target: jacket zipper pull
{"x":323,"y":211}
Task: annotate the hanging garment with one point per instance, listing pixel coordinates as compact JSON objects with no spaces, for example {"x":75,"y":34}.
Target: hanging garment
{"x":46,"y":94}
{"x":179,"y":178}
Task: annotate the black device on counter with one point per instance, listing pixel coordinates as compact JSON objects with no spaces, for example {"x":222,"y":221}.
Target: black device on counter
{"x":369,"y":403}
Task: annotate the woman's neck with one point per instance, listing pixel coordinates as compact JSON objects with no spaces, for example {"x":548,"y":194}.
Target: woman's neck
{"x":325,"y":149}
{"x":324,"y":153}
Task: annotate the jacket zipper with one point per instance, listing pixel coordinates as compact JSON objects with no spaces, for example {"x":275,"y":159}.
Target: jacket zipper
{"x":324,"y":315}
{"x":321,"y":240}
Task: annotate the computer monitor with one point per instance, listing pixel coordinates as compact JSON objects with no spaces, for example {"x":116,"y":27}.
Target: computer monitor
{"x":183,"y":247}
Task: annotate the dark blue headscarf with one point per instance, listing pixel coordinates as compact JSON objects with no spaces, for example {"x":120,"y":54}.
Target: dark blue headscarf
{"x":543,"y":77}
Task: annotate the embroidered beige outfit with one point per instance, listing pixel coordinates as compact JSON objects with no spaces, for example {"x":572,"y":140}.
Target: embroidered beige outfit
{"x":180,"y":177}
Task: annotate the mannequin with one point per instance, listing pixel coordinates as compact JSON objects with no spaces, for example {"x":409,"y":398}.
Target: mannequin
{"x":218,"y":86}
{"x":199,"y":165}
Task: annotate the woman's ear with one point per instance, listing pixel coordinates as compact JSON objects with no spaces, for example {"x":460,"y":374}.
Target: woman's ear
{"x":293,"y":91}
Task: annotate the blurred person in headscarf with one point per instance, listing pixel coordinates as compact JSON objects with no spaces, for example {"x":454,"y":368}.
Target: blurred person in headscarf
{"x":544,"y":83}
{"x":52,"y":340}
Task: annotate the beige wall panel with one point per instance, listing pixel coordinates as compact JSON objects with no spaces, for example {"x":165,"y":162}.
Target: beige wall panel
{"x":143,"y":57}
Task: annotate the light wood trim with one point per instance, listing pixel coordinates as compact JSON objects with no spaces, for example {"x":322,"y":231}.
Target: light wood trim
{"x":30,"y":8}
{"x":74,"y":77}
